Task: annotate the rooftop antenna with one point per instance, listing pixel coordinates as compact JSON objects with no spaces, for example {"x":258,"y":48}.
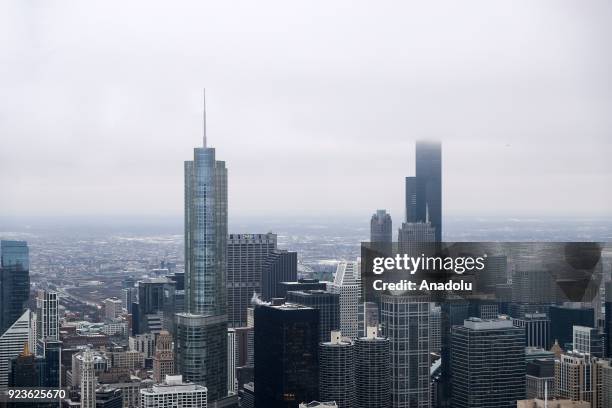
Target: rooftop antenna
{"x":204,"y":117}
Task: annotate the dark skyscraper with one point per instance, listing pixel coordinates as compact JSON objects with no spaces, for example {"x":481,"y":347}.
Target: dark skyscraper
{"x":201,"y":333}
{"x":488,"y":364}
{"x":14,"y":281}
{"x":281,"y":266}
{"x":564,"y":318}
{"x":428,"y":186}
{"x":608,"y":321}
{"x":286,"y":355}
{"x":381,"y":228}
{"x":328,"y":305}
{"x":246,"y":257}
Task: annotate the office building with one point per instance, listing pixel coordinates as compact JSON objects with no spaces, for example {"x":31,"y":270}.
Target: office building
{"x":537,"y":329}
{"x":424,"y":190}
{"x":246,"y":257}
{"x":372,"y":370}
{"x":564,"y":318}
{"x":173,"y":392}
{"x":454,"y":311}
{"x":588,"y":340}
{"x":533,"y":287}
{"x":608,"y":319}
{"x":281,"y":266}
{"x":143,"y":343}
{"x":12,"y":342}
{"x":381,"y":229}
{"x":412,"y":235}
{"x":540,"y":379}
{"x":129,"y":296}
{"x":347,"y":284}
{"x":540,"y":403}
{"x":337,"y":371}
{"x":328,"y":305}
{"x":88,"y":381}
{"x":201,"y":332}
{"x":488,"y":364}
{"x":14,"y":281}
{"x":24,"y":370}
{"x":232,"y":387}
{"x":287,"y":348}
{"x":148,"y":313}
{"x":405,"y":322}
{"x":575,"y":375}
{"x":47,"y":315}
{"x":113,"y":307}
{"x":435,"y":339}
{"x":163,"y":359}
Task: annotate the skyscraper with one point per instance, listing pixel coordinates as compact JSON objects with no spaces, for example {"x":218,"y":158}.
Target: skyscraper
{"x":424,"y":191}
{"x":372,"y":371}
{"x":347,"y":284}
{"x":47,"y":319}
{"x":231,"y":361}
{"x":88,"y":381}
{"x":575,"y":375}
{"x":14,"y":281}
{"x":328,"y":305}
{"x":286,"y":355}
{"x":337,"y":371}
{"x":537,"y":329}
{"x":608,"y":320}
{"x":246,"y":257}
{"x":405,"y":322}
{"x":488,"y":364}
{"x":12,"y":342}
{"x":163,"y":359}
{"x":564,"y":318}
{"x":588,"y":340}
{"x":540,"y":378}
{"x":281,"y":266}
{"x":381,"y":229}
{"x":201,"y":333}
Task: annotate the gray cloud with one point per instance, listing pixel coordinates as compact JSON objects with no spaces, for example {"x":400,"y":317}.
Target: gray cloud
{"x":314,"y":106}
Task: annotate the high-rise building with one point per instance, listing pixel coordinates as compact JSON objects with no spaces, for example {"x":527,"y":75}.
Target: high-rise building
{"x":281,"y":266}
{"x":575,"y":375}
{"x":88,"y":381}
{"x":608,"y":319}
{"x":347,"y":284}
{"x":435,"y":316}
{"x":143,"y":343}
{"x":488,"y":364}
{"x":12,"y":342}
{"x":14,"y":281}
{"x":405,"y":322}
{"x":454,"y":311}
{"x":246,"y":257}
{"x":381,"y":229}
{"x":47,"y":315}
{"x":231,"y":361}
{"x":113,"y":307}
{"x":163,"y":359}
{"x":424,"y":191}
{"x":337,"y":371}
{"x":201,"y":332}
{"x":24,"y":370}
{"x":564,"y":318}
{"x":537,"y":329}
{"x":328,"y":305}
{"x":372,"y":371}
{"x":588,"y":340}
{"x":540,"y":378}
{"x":412,"y":235}
{"x":148,"y":313}
{"x":286,"y":355}
{"x":173,"y":392}
{"x":534,"y":287}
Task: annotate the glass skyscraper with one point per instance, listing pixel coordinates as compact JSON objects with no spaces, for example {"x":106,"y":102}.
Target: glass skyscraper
{"x":201,"y":332}
{"x":14,"y":281}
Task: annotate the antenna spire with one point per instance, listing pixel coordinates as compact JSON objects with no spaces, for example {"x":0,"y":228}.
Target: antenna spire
{"x":204,"y":117}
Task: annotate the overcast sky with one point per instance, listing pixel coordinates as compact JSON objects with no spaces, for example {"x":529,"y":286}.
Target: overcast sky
{"x":315,"y":106}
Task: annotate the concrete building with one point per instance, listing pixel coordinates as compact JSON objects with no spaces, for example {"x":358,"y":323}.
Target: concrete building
{"x":347,"y":284}
{"x":337,"y":371}
{"x":163,"y":359}
{"x":173,"y":392}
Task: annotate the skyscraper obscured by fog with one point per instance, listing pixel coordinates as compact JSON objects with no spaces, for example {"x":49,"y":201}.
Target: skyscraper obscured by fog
{"x":201,"y":333}
{"x":14,"y":281}
{"x":424,"y":190}
{"x":381,"y":228}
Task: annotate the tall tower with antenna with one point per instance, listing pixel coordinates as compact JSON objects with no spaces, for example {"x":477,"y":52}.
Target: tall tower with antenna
{"x":201,"y":332}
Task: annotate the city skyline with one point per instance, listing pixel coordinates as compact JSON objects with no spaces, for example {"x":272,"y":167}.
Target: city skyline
{"x":521,"y":118}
